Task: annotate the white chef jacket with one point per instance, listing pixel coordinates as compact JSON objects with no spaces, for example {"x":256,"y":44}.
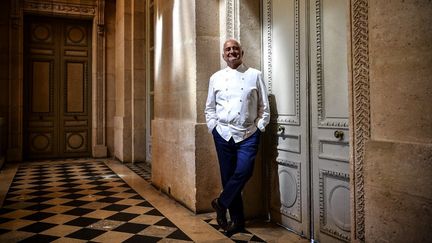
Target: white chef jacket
{"x":237,"y":103}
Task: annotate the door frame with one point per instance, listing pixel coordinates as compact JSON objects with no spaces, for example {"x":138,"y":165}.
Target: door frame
{"x":359,"y":107}
{"x":93,"y":12}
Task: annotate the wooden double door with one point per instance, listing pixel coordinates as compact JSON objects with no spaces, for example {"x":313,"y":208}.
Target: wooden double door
{"x":306,"y":66}
{"x":57,"y":88}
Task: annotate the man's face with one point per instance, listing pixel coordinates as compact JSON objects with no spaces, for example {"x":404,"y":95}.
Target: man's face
{"x":232,"y":53}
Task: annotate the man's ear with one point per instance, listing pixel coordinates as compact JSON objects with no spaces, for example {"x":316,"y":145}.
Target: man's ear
{"x":242,"y":53}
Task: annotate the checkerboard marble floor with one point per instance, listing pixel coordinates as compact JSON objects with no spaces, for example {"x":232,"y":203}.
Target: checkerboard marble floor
{"x":83,"y":201}
{"x":144,"y":170}
{"x":88,"y":200}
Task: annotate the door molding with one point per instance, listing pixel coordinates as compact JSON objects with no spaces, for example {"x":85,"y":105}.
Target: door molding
{"x":359,"y":111}
{"x":94,"y":12}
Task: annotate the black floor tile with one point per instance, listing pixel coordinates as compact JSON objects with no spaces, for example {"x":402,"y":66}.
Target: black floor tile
{"x":71,"y":190}
{"x":165,"y":222}
{"x":38,"y":216}
{"x":131,"y":228}
{"x":73,"y":196}
{"x":145,"y":204}
{"x":138,"y":197}
{"x":39,"y":199}
{"x":37,"y":227}
{"x":178,"y":235}
{"x":85,"y":234}
{"x":101,"y":188}
{"x":154,"y":212}
{"x":4,"y":220}
{"x":5,"y":210}
{"x":141,"y":239}
{"x":39,"y":207}
{"x":105,"y":193}
{"x":39,"y":193}
{"x":3,"y":231}
{"x":82,"y":221}
{"x":78,"y":211}
{"x":110,"y":199}
{"x":38,"y":187}
{"x":70,"y":185}
{"x":123,"y":216}
{"x":116,"y":207}
{"x":40,"y":238}
{"x":75,"y":203}
{"x":256,"y":239}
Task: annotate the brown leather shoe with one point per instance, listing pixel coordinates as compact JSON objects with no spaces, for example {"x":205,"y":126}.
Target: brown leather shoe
{"x":220,"y":214}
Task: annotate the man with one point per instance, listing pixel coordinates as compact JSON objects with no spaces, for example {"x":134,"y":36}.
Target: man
{"x":237,"y":111}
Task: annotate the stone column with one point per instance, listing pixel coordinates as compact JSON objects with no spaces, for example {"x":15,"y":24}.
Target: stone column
{"x":123,"y":79}
{"x":129,"y":120}
{"x":187,"y":51}
{"x":99,"y":127}
{"x":14,"y":151}
{"x":139,"y":82}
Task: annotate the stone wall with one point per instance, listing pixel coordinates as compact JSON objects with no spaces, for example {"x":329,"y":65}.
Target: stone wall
{"x":397,"y":169}
{"x":186,"y":53}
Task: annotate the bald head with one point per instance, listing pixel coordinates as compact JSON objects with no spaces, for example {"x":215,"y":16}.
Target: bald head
{"x":232,"y":53}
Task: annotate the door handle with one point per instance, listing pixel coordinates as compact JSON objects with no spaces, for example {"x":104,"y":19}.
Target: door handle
{"x":281,"y":129}
{"x":339,"y":135}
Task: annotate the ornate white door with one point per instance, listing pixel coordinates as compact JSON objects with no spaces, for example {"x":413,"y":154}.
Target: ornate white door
{"x":287,"y":152}
{"x":329,"y":77}
{"x":307,"y":152}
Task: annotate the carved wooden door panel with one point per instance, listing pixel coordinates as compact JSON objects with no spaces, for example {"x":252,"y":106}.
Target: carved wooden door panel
{"x":57,"y":88}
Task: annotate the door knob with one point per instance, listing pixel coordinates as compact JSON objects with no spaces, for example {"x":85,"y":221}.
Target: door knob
{"x":339,"y":135}
{"x":281,"y":129}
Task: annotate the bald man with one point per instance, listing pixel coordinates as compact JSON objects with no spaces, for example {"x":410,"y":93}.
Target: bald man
{"x":237,"y":111}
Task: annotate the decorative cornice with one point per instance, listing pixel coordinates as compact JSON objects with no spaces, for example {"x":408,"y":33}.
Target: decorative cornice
{"x":361,"y":107}
{"x":59,"y":8}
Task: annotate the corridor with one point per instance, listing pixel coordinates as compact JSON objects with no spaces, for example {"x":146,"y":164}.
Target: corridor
{"x":103,"y":200}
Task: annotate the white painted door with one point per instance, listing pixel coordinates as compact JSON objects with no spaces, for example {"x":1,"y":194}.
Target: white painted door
{"x":305,"y":46}
{"x":287,"y":152}
{"x":329,"y":36}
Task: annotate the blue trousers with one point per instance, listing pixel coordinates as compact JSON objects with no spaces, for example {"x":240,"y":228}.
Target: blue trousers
{"x":236,"y":162}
